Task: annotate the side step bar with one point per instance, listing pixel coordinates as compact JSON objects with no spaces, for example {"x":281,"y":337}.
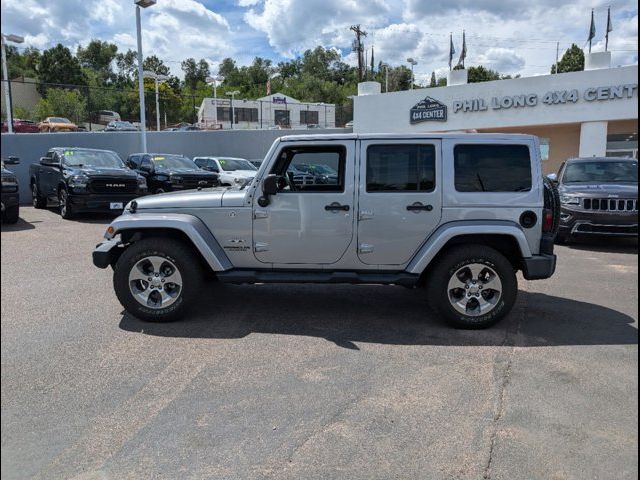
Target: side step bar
{"x":239,"y":276}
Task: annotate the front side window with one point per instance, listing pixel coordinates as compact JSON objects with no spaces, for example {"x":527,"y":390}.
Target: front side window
{"x":201,"y":162}
{"x":601,"y":172}
{"x":312,"y":169}
{"x":492,"y":168}
{"x":401,"y":168}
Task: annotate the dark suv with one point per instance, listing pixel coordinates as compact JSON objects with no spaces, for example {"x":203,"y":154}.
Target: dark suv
{"x":166,"y":172}
{"x":599,"y":196}
{"x":10,"y":195}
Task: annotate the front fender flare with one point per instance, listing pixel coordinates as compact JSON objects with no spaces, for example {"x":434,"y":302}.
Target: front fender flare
{"x":197,"y":232}
{"x":448,"y":231}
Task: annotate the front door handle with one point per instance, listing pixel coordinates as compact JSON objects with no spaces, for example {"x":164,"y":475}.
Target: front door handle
{"x":417,"y":207}
{"x":335,"y":206}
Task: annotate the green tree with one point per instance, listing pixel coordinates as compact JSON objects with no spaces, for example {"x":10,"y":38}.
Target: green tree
{"x":481,"y":74}
{"x":194,"y":72}
{"x":126,"y":63}
{"x":433,"y":82}
{"x":59,"y":66}
{"x":23,"y":64}
{"x":98,"y":56}
{"x":572,"y":61}
{"x":154,"y":64}
{"x":61,"y":102}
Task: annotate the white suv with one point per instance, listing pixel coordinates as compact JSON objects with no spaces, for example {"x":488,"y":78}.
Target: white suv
{"x":231,"y":171}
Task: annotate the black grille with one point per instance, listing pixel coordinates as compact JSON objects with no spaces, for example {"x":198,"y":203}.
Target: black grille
{"x":194,"y":182}
{"x":113,"y":185}
{"x":610,"y":204}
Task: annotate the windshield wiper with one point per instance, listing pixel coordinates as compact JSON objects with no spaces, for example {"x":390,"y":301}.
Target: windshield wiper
{"x":481,"y":183}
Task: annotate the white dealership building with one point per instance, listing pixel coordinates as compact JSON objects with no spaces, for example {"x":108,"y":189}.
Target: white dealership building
{"x":273,"y":111}
{"x":588,"y":113}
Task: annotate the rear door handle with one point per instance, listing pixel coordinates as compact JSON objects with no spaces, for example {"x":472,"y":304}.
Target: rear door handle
{"x":335,"y":206}
{"x":417,"y":207}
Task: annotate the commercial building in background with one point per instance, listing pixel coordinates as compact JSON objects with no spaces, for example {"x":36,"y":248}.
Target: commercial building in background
{"x":588,"y":113}
{"x":272,"y":111}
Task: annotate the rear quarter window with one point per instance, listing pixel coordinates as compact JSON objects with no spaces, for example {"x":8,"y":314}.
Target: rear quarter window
{"x":492,"y":168}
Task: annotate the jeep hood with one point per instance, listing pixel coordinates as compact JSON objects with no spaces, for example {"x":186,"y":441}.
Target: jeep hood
{"x":205,"y":198}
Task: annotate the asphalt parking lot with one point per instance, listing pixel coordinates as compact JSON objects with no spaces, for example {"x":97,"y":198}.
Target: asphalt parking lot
{"x":289,"y":381}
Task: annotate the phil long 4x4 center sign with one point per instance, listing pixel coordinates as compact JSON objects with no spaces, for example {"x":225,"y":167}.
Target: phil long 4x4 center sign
{"x":428,"y":109}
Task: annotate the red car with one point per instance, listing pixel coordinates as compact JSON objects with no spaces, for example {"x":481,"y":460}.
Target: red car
{"x":21,"y":126}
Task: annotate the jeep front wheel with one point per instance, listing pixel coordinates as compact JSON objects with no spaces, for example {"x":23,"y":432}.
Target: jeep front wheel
{"x":157,"y":279}
{"x":472,"y":286}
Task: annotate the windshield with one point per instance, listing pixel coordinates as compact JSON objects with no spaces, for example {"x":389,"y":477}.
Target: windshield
{"x":121,"y":124}
{"x":90,"y":158}
{"x":231,"y":164}
{"x":58,"y":120}
{"x":171,"y":162}
{"x":601,"y":172}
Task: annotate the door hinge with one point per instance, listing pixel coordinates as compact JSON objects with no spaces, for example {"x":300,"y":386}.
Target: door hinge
{"x":365,"y":248}
{"x":261,"y":247}
{"x":260,"y":214}
{"x":365,"y":214}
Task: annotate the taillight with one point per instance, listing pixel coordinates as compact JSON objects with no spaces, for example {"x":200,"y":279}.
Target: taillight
{"x":547,"y":221}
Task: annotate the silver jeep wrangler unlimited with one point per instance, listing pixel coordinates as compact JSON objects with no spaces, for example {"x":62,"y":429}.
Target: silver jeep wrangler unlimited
{"x":457,"y":214}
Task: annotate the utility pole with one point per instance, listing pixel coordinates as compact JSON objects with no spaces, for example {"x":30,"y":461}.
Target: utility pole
{"x":557,"y":54}
{"x":358,"y":47}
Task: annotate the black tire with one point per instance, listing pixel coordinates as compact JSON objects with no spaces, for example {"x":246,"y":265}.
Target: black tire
{"x":453,"y":260}
{"x":552,"y":202}
{"x":11,"y":214}
{"x":158,"y":191}
{"x":66,"y":209}
{"x":177,"y":252}
{"x":38,"y":200}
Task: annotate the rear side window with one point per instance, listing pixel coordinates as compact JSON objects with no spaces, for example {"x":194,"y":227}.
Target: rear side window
{"x":492,"y":168}
{"x":201,"y":162}
{"x":134,"y":161}
{"x":401,"y":168}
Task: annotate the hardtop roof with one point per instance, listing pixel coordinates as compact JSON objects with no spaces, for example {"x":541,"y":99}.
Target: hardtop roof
{"x":407,"y":136}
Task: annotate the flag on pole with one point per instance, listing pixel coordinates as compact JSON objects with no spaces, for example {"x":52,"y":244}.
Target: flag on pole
{"x":463,"y":53}
{"x":372,"y":64}
{"x":609,"y":28}
{"x":592,"y":31}
{"x":452,"y":50}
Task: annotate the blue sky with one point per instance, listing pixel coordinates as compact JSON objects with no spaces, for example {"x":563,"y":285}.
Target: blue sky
{"x":511,"y":36}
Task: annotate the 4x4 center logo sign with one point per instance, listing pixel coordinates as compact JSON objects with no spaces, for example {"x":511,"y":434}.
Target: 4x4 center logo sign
{"x":428,"y":109}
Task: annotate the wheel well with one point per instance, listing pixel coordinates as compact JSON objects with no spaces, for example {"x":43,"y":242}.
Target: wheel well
{"x":131,"y":236}
{"x":505,"y":244}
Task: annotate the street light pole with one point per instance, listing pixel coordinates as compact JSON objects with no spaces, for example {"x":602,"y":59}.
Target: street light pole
{"x":157,"y":78}
{"x":214,"y":81}
{"x":5,"y":75}
{"x":233,"y":112}
{"x":413,"y":63}
{"x":143,"y":119}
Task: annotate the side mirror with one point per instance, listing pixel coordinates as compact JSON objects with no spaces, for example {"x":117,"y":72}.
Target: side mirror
{"x":553,"y":177}
{"x":146,"y":168}
{"x":12,"y":161}
{"x":269,"y":187}
{"x":48,"y":162}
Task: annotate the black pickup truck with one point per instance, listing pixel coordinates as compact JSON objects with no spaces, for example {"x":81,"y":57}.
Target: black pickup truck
{"x":168,"y":172}
{"x":10,"y":195}
{"x":84,"y":180}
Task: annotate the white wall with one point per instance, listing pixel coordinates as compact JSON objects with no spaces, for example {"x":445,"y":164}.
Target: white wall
{"x":389,"y":112}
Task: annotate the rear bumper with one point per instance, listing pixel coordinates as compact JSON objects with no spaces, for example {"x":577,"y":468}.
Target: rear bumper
{"x":100,"y":203}
{"x":539,"y":267}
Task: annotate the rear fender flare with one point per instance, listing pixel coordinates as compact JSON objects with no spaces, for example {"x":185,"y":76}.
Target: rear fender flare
{"x":446,"y":232}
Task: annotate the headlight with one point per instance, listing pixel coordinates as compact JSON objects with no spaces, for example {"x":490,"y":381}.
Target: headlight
{"x":569,"y":200}
{"x":142,"y":182}
{"x":175,"y":179}
{"x":79,"y":181}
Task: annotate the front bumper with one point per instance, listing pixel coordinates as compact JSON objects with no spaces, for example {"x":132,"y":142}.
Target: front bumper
{"x":581,"y":222}
{"x":539,"y":267}
{"x":100,"y":203}
{"x":106,"y":253}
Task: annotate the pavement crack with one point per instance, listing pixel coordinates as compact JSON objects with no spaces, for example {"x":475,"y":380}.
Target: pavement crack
{"x":503,"y":363}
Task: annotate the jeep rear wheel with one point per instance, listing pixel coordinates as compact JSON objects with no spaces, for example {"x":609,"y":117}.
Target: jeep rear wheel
{"x":157,"y":279}
{"x":472,"y":286}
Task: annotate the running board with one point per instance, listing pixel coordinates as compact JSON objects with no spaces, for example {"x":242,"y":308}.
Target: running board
{"x":239,"y":276}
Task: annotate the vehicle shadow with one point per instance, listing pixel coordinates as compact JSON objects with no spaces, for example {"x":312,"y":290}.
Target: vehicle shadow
{"x":348,"y":314}
{"x":19,"y":226}
{"x":605,"y":245}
